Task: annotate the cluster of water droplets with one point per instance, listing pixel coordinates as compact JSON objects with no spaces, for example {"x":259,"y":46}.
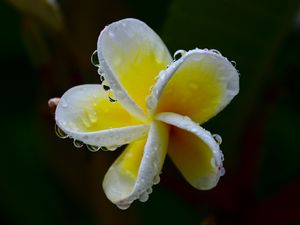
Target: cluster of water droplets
{"x":79,"y":144}
{"x":95,"y":62}
{"x":142,"y":197}
{"x":218,"y":139}
{"x":219,"y":53}
{"x":145,"y":195}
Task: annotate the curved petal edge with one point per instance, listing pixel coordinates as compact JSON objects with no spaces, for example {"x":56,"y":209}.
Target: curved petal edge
{"x":130,"y":49}
{"x":227,"y":75}
{"x":120,"y":189}
{"x":202,"y":182}
{"x":85,"y":114}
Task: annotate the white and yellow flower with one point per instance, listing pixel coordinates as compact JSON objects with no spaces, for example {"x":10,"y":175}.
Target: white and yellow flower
{"x":160,"y":104}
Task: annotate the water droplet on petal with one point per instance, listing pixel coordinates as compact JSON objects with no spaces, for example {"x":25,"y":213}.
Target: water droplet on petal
{"x":216,"y":51}
{"x":59,"y":132}
{"x":94,"y":59}
{"x":103,"y":148}
{"x":101,"y":79}
{"x":222,"y":156}
{"x":156,"y":179}
{"x":233,"y":63}
{"x":144,"y":197}
{"x":100,"y":71}
{"x":222,"y":171}
{"x":123,"y":206}
{"x":110,"y":148}
{"x":106,"y":87}
{"x":111,"y":96}
{"x":149,"y":190}
{"x":217,"y":138}
{"x":178,"y":54}
{"x":93,"y":148}
{"x":77,"y":143}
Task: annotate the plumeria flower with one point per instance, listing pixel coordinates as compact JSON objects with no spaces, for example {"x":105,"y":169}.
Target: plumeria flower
{"x":155,"y":105}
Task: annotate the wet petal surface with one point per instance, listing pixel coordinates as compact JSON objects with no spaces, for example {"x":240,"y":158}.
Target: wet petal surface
{"x":199,"y":85}
{"x":135,"y":171}
{"x":132,"y":55}
{"x":194,"y":151}
{"x":85,"y":113}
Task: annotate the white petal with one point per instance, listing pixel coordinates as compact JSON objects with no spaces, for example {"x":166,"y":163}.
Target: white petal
{"x":122,"y":46}
{"x":211,"y":178}
{"x":123,"y":189}
{"x":80,"y":114}
{"x":224,"y":71}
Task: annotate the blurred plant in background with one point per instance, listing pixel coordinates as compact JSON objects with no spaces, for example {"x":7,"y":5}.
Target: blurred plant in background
{"x":45,"y":49}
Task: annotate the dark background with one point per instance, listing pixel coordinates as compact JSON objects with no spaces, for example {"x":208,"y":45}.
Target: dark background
{"x":45,"y":51}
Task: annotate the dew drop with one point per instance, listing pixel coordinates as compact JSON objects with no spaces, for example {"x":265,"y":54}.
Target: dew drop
{"x":100,"y":71}
{"x":103,"y":148}
{"x":59,"y":132}
{"x":144,"y":197}
{"x":93,"y":148}
{"x":111,"y":96}
{"x":123,"y":206}
{"x":217,"y":138}
{"x":77,"y":143}
{"x":94,"y":59}
{"x":216,"y":51}
{"x":222,"y":156}
{"x":110,"y":148}
{"x":178,"y":54}
{"x":149,"y":190}
{"x":222,"y":171}
{"x":156,"y":179}
{"x":101,"y":79}
{"x":233,"y":63}
{"x":106,"y":87}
